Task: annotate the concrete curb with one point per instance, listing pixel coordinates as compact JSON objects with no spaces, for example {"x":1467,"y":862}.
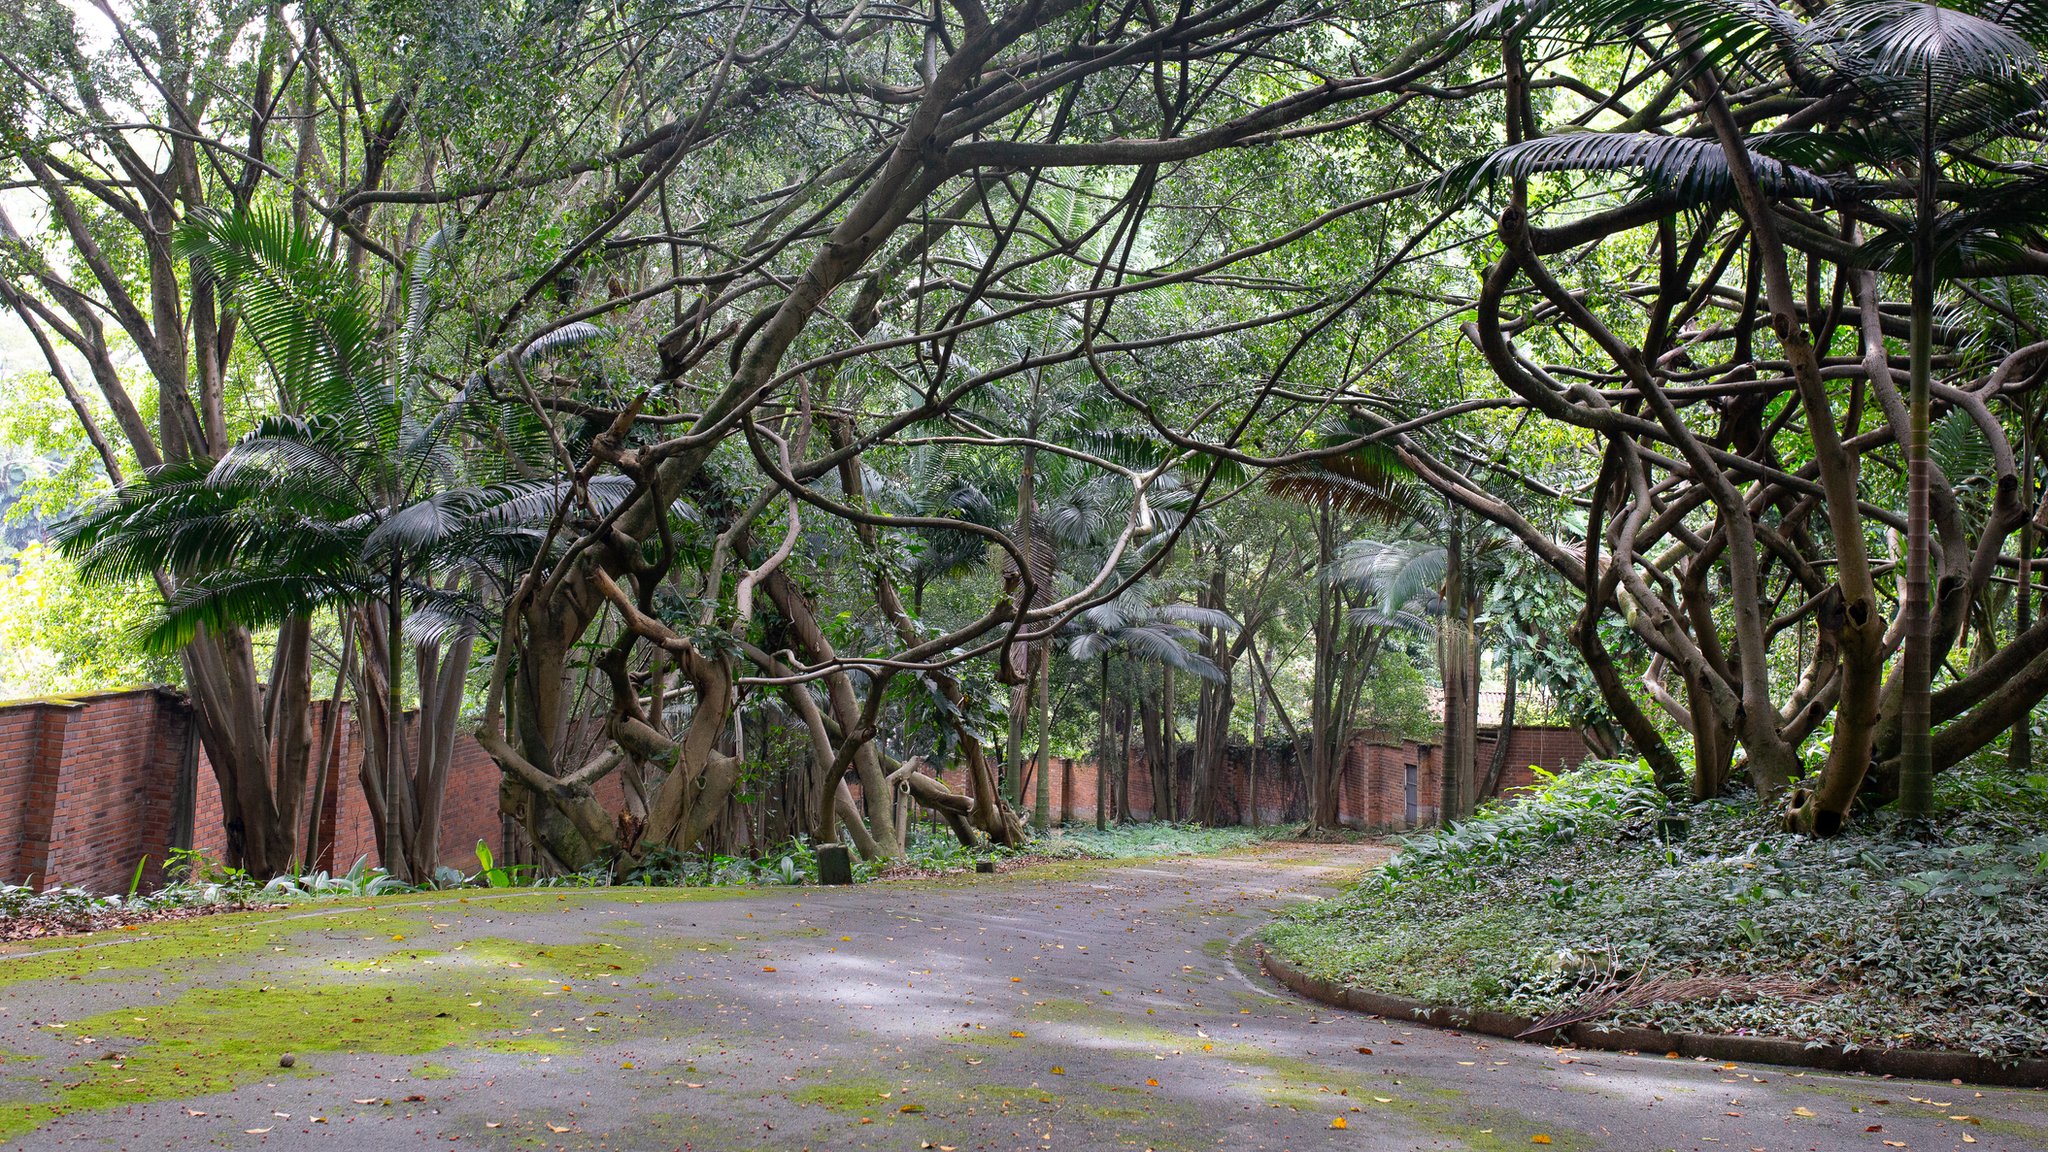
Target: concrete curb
{"x":1912,"y":1064}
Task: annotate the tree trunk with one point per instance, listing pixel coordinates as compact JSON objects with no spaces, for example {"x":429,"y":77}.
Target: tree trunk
{"x":2019,"y":748}
{"x":1102,"y":748}
{"x":257,"y":738}
{"x":1251,"y":806}
{"x":1169,"y":745}
{"x":330,"y":748}
{"x":1916,"y":719}
{"x":1322,"y":772}
{"x":1504,"y":733}
{"x":1457,"y":669}
{"x":1041,"y":814}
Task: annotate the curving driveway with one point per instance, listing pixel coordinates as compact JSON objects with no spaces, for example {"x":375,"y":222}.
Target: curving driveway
{"x":1059,"y":1007}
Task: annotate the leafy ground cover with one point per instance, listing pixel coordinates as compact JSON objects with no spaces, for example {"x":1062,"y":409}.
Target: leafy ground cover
{"x":1572,"y":896}
{"x":200,"y":887}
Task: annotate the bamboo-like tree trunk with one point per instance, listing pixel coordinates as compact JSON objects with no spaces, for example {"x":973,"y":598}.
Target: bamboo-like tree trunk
{"x":1916,"y":711}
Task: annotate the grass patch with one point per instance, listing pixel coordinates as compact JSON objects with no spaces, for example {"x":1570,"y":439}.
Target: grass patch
{"x":1897,"y":942}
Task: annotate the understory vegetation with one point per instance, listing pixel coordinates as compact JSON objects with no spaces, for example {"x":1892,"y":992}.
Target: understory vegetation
{"x":198,"y":885}
{"x":1578,"y":902}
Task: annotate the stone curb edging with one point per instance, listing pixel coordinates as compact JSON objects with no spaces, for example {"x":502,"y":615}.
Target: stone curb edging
{"x":1912,"y":1064}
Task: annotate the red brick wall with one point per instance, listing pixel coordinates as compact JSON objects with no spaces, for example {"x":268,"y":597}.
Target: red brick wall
{"x":18,"y":751}
{"x":1371,"y":792}
{"x":89,"y":786}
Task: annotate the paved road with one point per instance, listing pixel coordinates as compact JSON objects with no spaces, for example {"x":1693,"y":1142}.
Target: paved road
{"x":1063,"y":1008}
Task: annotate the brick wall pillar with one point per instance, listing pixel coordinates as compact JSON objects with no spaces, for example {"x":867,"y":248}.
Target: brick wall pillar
{"x":44,"y":777}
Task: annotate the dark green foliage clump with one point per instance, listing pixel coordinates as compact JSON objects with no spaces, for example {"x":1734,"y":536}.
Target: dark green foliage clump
{"x":1896,"y":941}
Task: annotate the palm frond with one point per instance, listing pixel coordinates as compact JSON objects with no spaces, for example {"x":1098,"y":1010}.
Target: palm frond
{"x":1166,"y":646}
{"x":1912,"y":38}
{"x":422,"y":524}
{"x":1688,"y":169}
{"x":315,"y":324}
{"x":419,"y":297}
{"x":1395,"y":573}
{"x":1197,"y":617}
{"x":1959,"y":447}
{"x":242,"y":599}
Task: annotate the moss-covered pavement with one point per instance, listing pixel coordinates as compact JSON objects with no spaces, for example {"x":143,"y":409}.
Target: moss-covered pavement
{"x":1073,"y":1006}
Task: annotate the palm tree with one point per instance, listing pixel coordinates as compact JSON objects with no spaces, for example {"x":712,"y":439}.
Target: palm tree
{"x":1135,"y":628}
{"x":352,"y":499}
{"x":1367,"y":483}
{"x":1943,"y":80}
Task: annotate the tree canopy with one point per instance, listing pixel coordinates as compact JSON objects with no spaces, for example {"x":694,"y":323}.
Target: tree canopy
{"x":769,"y":390}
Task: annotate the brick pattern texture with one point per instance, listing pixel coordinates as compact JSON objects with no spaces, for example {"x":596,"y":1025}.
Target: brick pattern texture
{"x":1373,"y":791}
{"x":92,"y":785}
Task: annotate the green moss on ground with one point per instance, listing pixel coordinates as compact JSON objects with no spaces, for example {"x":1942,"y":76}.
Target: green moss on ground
{"x":1446,"y":1113}
{"x":171,"y":949}
{"x":854,"y":1095}
{"x":402,"y":1001}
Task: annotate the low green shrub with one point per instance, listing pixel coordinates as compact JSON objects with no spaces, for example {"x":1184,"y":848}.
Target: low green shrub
{"x":1894,"y":941}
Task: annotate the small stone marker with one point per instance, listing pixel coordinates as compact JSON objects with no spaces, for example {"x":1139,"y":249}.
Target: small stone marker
{"x":985,"y":866}
{"x":835,"y":866}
